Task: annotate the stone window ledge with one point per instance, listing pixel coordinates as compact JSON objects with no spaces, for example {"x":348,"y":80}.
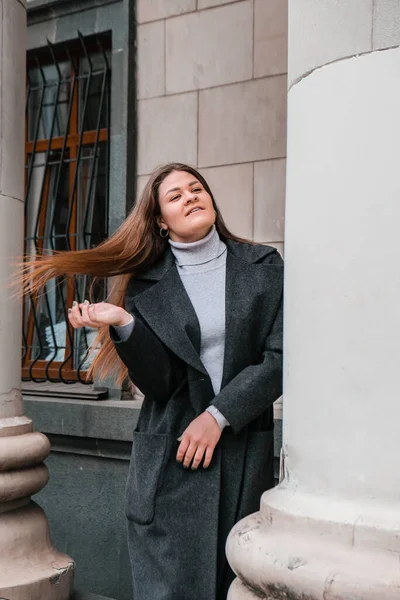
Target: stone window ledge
{"x":106,"y":420}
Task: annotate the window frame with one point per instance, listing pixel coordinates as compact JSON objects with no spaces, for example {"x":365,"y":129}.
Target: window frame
{"x":70,"y":145}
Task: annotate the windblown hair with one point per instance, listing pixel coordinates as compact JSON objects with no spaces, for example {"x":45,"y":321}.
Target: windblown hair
{"x":130,"y":251}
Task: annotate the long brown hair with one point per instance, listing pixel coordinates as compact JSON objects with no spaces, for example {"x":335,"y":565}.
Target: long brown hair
{"x":131,"y":250}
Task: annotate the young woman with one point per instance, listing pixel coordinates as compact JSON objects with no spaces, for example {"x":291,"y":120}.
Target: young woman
{"x":195,"y":318}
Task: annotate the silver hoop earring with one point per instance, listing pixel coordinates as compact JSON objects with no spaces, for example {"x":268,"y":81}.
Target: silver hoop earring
{"x":163,"y":230}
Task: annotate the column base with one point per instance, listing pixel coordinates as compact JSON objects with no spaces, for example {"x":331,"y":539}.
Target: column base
{"x":305,"y":547}
{"x":30,"y":567}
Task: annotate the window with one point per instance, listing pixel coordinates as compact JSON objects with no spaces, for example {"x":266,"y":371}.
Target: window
{"x":66,"y":192}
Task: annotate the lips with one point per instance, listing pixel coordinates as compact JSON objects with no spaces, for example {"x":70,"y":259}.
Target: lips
{"x":195,"y":209}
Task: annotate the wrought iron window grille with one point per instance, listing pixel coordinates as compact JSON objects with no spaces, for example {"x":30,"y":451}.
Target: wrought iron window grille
{"x":66,"y":194}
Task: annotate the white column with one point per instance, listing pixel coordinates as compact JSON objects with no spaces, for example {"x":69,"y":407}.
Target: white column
{"x":29,"y":565}
{"x":331,"y":529}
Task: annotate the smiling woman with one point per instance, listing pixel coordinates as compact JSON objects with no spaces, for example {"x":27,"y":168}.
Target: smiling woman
{"x":180,"y":197}
{"x":195,"y":318}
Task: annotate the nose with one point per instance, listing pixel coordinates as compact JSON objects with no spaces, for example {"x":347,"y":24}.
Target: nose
{"x":190,"y":197}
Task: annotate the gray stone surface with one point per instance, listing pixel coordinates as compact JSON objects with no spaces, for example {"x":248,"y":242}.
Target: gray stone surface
{"x":87,"y":596}
{"x":58,"y":6}
{"x":84,"y":503}
{"x":39,"y":33}
{"x":119,"y":164}
{"x":111,"y":16}
{"x":118,"y":93}
{"x":386,"y":32}
{"x":107,"y":420}
{"x":326,"y":30}
{"x":68,"y":25}
{"x":218,"y":47}
{"x":243,"y":122}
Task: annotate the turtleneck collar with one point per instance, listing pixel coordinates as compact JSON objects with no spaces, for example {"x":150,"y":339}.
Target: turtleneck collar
{"x":200,"y":252}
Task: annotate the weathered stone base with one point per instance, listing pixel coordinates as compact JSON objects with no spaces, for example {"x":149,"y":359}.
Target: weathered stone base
{"x":302,"y":547}
{"x":30,"y":567}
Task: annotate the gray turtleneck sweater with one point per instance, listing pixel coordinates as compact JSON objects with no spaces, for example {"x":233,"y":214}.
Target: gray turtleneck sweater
{"x":202,"y":267}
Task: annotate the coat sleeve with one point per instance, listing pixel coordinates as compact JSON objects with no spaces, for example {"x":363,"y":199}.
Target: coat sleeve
{"x":255,"y":388}
{"x":152,"y":367}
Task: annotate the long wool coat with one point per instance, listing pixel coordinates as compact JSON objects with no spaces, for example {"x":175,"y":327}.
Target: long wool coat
{"x":179,"y":519}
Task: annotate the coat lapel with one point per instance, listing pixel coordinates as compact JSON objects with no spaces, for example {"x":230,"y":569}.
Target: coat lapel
{"x":166,"y":307}
{"x":246,"y":283}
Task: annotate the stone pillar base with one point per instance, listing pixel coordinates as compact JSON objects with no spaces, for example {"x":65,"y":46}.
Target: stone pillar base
{"x":307,"y":547}
{"x":30,"y":567}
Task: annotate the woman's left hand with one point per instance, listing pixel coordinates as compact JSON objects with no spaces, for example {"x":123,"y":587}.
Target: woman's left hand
{"x":199,"y":440}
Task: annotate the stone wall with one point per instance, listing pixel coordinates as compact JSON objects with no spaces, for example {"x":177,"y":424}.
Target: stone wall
{"x":212,"y":93}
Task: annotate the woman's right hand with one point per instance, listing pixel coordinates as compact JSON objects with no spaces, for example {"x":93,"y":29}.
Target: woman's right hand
{"x":97,"y":315}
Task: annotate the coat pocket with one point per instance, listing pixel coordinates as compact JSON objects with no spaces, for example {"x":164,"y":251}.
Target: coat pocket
{"x":145,"y":471}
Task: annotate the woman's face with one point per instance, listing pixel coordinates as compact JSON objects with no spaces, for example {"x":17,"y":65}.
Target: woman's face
{"x":186,"y":208}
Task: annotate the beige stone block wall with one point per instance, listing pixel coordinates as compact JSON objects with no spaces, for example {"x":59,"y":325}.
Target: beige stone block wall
{"x":243,"y":122}
{"x":210,"y":48}
{"x":232,"y":187}
{"x":151,"y":53}
{"x":270,"y":37}
{"x":153,"y":10}
{"x":212,"y":93}
{"x":167,"y":129}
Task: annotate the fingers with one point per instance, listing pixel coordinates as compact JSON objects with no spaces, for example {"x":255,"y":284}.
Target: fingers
{"x":198,"y":457}
{"x":74,"y":316}
{"x":83,"y":315}
{"x":208,"y":457}
{"x":183,"y":446}
{"x":89,"y":315}
{"x":191,"y":454}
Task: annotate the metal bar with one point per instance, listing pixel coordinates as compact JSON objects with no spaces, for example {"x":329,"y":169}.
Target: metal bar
{"x":52,"y":237}
{"x":75,"y":198}
{"x":35,"y":139}
{"x":32,"y":317}
{"x":43,"y":203}
{"x":96,"y":143}
{"x":89,"y":200}
{"x":72,"y":140}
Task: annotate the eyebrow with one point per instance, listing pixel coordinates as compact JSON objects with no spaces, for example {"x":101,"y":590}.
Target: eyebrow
{"x":177,"y":189}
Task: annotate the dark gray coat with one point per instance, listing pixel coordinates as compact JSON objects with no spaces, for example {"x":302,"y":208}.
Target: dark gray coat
{"x":179,"y":519}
